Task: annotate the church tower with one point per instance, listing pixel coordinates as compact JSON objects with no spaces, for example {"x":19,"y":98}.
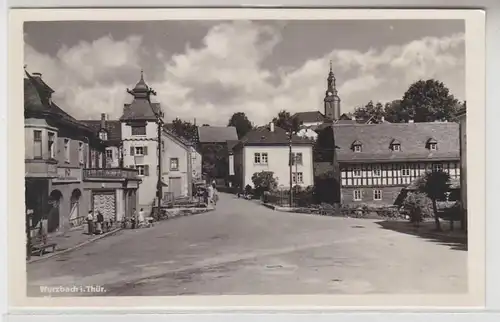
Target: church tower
{"x":332,"y":100}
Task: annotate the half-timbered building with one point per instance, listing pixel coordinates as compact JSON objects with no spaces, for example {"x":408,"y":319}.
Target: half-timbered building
{"x":377,"y":160}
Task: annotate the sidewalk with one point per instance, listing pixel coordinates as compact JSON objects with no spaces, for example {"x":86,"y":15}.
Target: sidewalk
{"x":70,"y":240}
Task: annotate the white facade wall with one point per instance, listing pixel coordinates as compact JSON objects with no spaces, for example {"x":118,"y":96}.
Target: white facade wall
{"x":175,"y":150}
{"x":278,"y":157}
{"x":196,"y":165}
{"x":147,"y":189}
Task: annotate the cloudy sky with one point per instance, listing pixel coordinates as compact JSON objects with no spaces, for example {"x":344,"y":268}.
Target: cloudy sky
{"x":210,"y":69}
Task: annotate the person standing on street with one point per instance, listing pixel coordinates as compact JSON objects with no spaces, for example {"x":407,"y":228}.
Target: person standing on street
{"x":133,"y":219}
{"x":215,"y":194}
{"x":210,"y":192}
{"x":90,"y":223}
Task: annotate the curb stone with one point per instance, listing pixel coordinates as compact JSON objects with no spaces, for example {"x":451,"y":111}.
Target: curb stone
{"x":67,"y":250}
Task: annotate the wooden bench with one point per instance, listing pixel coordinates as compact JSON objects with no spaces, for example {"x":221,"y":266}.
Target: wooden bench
{"x":40,"y":244}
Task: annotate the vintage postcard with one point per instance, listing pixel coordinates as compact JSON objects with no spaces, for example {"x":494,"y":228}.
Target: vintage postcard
{"x":246,"y":158}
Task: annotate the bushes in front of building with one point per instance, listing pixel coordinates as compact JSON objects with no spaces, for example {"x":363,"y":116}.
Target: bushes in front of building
{"x":367,"y":211}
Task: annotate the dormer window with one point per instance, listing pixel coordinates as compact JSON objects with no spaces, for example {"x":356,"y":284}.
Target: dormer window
{"x":103,"y":135}
{"x":395,"y":145}
{"x":357,"y":146}
{"x":431,"y":144}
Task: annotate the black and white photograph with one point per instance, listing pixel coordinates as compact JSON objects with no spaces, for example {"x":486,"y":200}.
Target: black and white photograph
{"x":191,"y":157}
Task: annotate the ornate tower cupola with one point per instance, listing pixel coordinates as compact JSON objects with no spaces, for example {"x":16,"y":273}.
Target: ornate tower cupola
{"x":332,"y":99}
{"x":141,"y":108}
{"x":141,"y":89}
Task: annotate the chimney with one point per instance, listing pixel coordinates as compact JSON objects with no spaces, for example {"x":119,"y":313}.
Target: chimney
{"x":39,"y":75}
{"x":271,"y":126}
{"x":103,"y":120}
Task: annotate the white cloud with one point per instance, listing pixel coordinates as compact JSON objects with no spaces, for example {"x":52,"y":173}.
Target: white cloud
{"x":225,"y":74}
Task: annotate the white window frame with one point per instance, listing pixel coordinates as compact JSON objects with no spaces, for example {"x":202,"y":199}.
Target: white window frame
{"x":136,"y":148}
{"x":103,"y":135}
{"x":377,"y":171}
{"x":379,"y":192}
{"x":357,"y":195}
{"x":67,"y":152}
{"x":298,"y":177}
{"x":109,"y":154}
{"x":357,"y":148}
{"x":405,"y":171}
{"x":433,"y":146}
{"x":52,"y":147}
{"x":355,"y":170}
{"x":264,"y":158}
{"x":171,"y":162}
{"x":256,"y":158}
{"x":81,"y":157}
{"x":37,"y":144}
{"x":141,"y":168}
{"x":396,"y":147}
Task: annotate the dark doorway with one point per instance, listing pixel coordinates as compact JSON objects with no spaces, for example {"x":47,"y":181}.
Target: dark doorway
{"x":53,"y":217}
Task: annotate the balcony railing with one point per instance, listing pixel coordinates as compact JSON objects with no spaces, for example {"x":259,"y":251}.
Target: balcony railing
{"x":110,"y":173}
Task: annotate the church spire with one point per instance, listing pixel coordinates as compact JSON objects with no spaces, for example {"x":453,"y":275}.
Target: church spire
{"x":332,"y":99}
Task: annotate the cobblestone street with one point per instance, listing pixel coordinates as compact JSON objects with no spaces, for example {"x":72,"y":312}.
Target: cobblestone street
{"x":245,"y":248}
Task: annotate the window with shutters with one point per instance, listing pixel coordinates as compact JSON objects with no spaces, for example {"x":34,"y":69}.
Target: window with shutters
{"x":139,"y":150}
{"x":37,"y":144}
{"x":138,"y":130}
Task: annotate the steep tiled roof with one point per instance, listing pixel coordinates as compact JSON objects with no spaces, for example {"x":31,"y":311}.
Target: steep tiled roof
{"x":113,"y":127}
{"x":36,"y":96}
{"x":140,"y":110}
{"x":263,"y":136}
{"x":309,"y":117}
{"x":216,"y":134}
{"x":168,"y":130}
{"x":376,"y":139}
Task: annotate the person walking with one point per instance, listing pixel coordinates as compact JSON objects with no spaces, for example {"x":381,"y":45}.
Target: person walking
{"x":90,"y":223}
{"x":215,"y":194}
{"x":140,"y":217}
{"x":210,"y":193}
{"x":100,"y":223}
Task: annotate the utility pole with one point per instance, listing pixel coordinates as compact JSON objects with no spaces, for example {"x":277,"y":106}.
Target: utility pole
{"x":290,"y":198}
{"x":159,"y":183}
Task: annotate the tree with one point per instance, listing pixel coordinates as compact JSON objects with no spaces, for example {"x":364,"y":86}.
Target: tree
{"x":264,"y":181}
{"x":240,"y":121}
{"x":285,"y":121}
{"x":428,"y":101}
{"x":185,"y":129}
{"x":369,"y":111}
{"x":392,"y":111}
{"x":435,"y":184}
{"x":215,"y":162}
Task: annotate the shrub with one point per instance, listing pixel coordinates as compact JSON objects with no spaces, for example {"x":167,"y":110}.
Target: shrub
{"x":418,"y":206}
{"x":264,"y":181}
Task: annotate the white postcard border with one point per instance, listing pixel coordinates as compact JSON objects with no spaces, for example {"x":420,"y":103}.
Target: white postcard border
{"x":475,"y":86}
